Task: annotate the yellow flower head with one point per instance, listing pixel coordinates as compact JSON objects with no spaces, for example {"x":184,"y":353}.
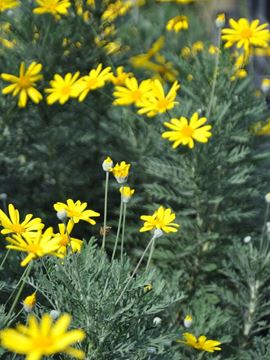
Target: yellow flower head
{"x":35,"y":244}
{"x":177,"y":1}
{"x":119,"y":8}
{"x":121,"y":171}
{"x":244,"y":34}
{"x":24,"y":84}
{"x":29,"y":302}
{"x":126,"y":193}
{"x":263,"y":129}
{"x":197,"y":47}
{"x":107,"y":164}
{"x":239,"y":74}
{"x":213,"y":50}
{"x":43,"y":338}
{"x":132,"y":92}
{"x":184,"y":131}
{"x":201,"y":343}
{"x":120,"y":77}
{"x":8,"y":4}
{"x":147,"y":288}
{"x":76,"y":211}
{"x":65,"y":241}
{"x":54,"y":7}
{"x":158,"y":102}
{"x":177,"y":23}
{"x":161,"y":219}
{"x":220,"y":20}
{"x":94,"y":80}
{"x":12,"y":223}
{"x":63,"y":88}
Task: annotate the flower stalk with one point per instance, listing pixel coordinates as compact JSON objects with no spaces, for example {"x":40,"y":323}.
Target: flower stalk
{"x":123,"y":230}
{"x":118,"y":230}
{"x":105,"y":210}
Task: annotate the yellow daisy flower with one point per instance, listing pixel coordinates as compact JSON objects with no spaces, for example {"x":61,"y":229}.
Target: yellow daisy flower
{"x":43,"y":338}
{"x":158,"y":102}
{"x":24,"y":84}
{"x":54,"y":7}
{"x":121,"y":171}
{"x":132,"y":92}
{"x":201,"y":343}
{"x":94,"y":80}
{"x":76,"y":211}
{"x":244,"y":34}
{"x":63,"y":88}
{"x":35,"y":244}
{"x":161,"y":219}
{"x":116,"y":9}
{"x":177,"y":23}
{"x":65,"y":240}
{"x":120,"y":77}
{"x":126,"y":193}
{"x":12,"y":223}
{"x":184,"y":132}
{"x":8,"y":4}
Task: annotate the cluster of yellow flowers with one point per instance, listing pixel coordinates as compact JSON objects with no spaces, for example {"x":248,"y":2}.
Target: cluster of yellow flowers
{"x":30,"y":237}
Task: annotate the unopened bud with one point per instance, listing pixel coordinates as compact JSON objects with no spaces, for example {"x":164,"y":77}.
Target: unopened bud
{"x":3,"y":196}
{"x":187,"y":321}
{"x":157,"y":321}
{"x":29,"y":302}
{"x":267,"y":198}
{"x":265,"y":85}
{"x":247,"y":239}
{"x":62,"y":215}
{"x":220,"y":20}
{"x":55,"y":314}
{"x":107,"y":164}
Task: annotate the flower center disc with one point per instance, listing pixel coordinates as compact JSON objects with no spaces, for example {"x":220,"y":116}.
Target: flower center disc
{"x":187,"y":131}
{"x":246,"y":33}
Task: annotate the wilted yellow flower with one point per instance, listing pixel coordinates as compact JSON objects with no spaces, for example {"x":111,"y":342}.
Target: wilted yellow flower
{"x":177,"y":23}
{"x":94,"y":80}
{"x":8,"y":4}
{"x":244,"y":34}
{"x":29,"y":302}
{"x":126,"y":193}
{"x":201,"y":343}
{"x":133,"y":92}
{"x":12,"y":223}
{"x":63,"y":88}
{"x":147,"y":288}
{"x":184,"y":131}
{"x":36,"y":244}
{"x":158,"y":102}
{"x":120,"y":77}
{"x":65,"y":241}
{"x":24,"y":84}
{"x":197,"y":47}
{"x":186,"y":52}
{"x":121,"y":172}
{"x":76,"y":211}
{"x":44,"y":338}
{"x":54,"y":7}
{"x":161,"y":219}
{"x":119,"y":8}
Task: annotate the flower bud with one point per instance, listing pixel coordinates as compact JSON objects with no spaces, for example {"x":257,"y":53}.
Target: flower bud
{"x":247,"y":239}
{"x":126,"y":193}
{"x":157,"y":321}
{"x":55,"y":314}
{"x":220,"y":20}
{"x":107,"y":164}
{"x":267,"y":198}
{"x":62,"y":215}
{"x":265,"y":85}
{"x":187,"y":321}
{"x":29,"y":302}
{"x":3,"y":196}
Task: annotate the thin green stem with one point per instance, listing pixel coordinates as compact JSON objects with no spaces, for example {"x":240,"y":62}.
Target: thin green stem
{"x":150,"y":255}
{"x":118,"y":230}
{"x":264,"y":225}
{"x":18,"y":284}
{"x":105,"y":209}
{"x":22,"y":280}
{"x":5,"y":258}
{"x":135,"y":270}
{"x":123,"y":231}
{"x":215,"y":76}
